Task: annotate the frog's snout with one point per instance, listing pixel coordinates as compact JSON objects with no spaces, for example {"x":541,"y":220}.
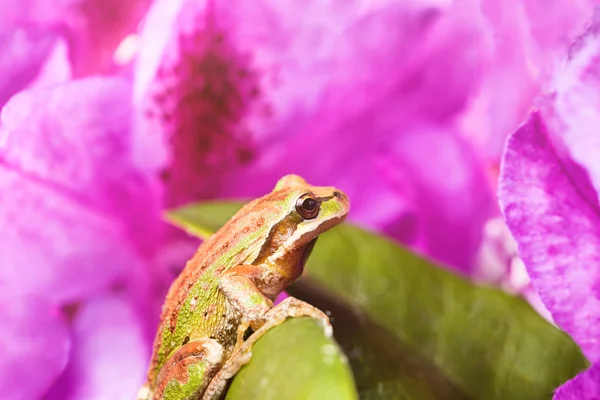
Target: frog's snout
{"x":341,"y":196}
{"x":342,"y":199}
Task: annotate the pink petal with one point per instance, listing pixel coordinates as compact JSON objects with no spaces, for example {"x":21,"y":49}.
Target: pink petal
{"x":53,"y":243}
{"x":554,"y":25}
{"x":110,"y":352}
{"x":96,"y":28}
{"x":282,"y":296}
{"x":64,"y":160}
{"x":93,"y":28}
{"x":37,"y":138}
{"x":157,"y":30}
{"x":201,"y":87}
{"x":24,"y":51}
{"x":331,"y":97}
{"x":572,"y":108}
{"x":31,"y":12}
{"x":261,"y":93}
{"x":509,"y":84}
{"x":526,"y":38}
{"x":372,"y":137}
{"x":56,"y":69}
{"x":585,"y":386}
{"x":77,"y":138}
{"x":34,"y":346}
{"x":557,"y":228}
{"x":451,"y":192}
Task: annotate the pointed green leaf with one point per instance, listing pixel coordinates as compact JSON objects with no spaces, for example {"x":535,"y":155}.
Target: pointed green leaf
{"x":203,"y":220}
{"x":489,"y":344}
{"x":412,"y":330}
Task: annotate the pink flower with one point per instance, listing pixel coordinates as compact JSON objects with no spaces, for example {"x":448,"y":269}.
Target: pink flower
{"x":92,"y":30}
{"x":30,"y":362}
{"x":78,"y":222}
{"x":549,"y":190}
{"x":231,"y":97}
{"x":224,"y":98}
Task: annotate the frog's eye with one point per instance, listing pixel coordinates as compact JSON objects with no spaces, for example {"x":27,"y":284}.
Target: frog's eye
{"x":308,"y":206}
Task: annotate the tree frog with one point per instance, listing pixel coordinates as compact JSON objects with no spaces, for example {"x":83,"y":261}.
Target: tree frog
{"x":227,"y":289}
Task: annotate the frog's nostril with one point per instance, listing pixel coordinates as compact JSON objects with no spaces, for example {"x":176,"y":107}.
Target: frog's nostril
{"x":341,"y":197}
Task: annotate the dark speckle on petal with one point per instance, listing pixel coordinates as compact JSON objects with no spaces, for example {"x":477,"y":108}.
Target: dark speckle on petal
{"x":201,"y":97}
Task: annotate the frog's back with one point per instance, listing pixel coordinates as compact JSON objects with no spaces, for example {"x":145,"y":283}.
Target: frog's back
{"x":195,"y":308}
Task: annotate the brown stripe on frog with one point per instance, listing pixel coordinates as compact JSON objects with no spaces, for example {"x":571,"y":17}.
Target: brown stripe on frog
{"x":277,"y":236}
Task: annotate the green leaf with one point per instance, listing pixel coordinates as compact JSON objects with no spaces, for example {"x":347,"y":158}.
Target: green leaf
{"x":295,"y":361}
{"x":203,"y":220}
{"x":412,"y":330}
{"x":486,"y":343}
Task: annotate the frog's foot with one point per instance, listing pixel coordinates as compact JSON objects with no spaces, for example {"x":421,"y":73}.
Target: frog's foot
{"x":288,"y":308}
{"x":188,"y":371}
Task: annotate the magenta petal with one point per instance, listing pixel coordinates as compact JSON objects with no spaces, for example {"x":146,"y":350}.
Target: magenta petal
{"x":233,"y":96}
{"x":199,"y":89}
{"x":75,"y":136}
{"x":24,"y":51}
{"x":282,"y":296}
{"x":34,"y":346}
{"x":156,"y":32}
{"x":228,"y":78}
{"x":70,"y":194}
{"x":557,"y":229}
{"x":33,"y":12}
{"x":93,"y":28}
{"x":509,"y":84}
{"x":525,"y":40}
{"x":573,"y":110}
{"x":53,"y":244}
{"x":347,"y":99}
{"x":110,"y":352}
{"x":450,"y":193}
{"x":585,"y":386}
{"x":96,"y":28}
{"x":554,"y":25}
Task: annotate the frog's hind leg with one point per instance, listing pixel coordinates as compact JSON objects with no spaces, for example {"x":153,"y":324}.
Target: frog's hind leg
{"x":189,"y":370}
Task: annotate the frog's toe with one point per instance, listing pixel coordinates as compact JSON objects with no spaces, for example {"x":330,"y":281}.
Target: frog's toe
{"x":144,"y":393}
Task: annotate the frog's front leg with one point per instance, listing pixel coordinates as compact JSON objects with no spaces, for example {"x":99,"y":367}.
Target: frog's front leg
{"x":257,"y":312}
{"x":240,"y":286}
{"x":188,"y":371}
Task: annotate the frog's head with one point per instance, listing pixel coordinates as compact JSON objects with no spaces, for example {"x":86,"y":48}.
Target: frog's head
{"x":311,"y":210}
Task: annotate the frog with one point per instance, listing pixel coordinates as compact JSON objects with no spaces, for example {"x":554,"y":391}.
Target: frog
{"x":223,"y":301}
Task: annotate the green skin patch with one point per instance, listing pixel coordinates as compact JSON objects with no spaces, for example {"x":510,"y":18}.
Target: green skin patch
{"x":179,"y":391}
{"x":253,"y":299}
{"x":205,"y":295}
